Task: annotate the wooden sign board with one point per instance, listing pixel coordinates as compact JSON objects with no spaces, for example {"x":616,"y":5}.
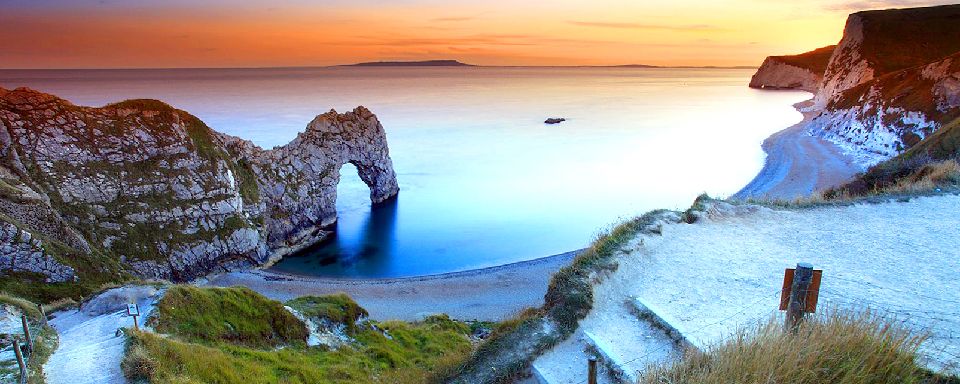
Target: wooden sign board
{"x":133,"y":310}
{"x":813,"y":294}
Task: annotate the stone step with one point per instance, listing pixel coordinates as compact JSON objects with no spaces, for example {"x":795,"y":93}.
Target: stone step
{"x":605,"y":350}
{"x":665,"y":322}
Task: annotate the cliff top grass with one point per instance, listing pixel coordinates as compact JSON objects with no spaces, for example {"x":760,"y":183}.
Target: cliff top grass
{"x":232,"y":315}
{"x":816,"y":60}
{"x":836,"y":348}
{"x":380,"y":352}
{"x":895,"y":39}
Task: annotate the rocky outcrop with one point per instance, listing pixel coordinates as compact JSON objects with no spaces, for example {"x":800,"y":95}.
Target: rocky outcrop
{"x":21,"y":252}
{"x":298,"y":181}
{"x":803,"y":71}
{"x":890,"y":82}
{"x":142,"y":187}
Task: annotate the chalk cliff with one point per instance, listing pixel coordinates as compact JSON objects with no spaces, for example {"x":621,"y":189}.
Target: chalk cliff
{"x":890,"y":82}
{"x":140,"y":187}
{"x":803,"y":71}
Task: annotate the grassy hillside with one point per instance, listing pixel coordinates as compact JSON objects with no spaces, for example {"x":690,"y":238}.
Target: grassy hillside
{"x":234,"y":335}
{"x":816,"y":60}
{"x":902,"y":38}
{"x":930,"y":164}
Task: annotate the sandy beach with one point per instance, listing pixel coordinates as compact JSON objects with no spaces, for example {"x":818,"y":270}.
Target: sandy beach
{"x":798,"y":164}
{"x":489,"y":294}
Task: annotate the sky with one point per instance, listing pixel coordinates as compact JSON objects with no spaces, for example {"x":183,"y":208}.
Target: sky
{"x":271,"y":33}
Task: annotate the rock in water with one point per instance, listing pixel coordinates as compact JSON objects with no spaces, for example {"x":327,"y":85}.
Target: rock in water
{"x":142,"y":187}
{"x":554,"y":120}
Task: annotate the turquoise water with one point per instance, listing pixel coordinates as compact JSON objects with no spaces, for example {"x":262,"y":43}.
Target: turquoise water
{"x":483,"y":181}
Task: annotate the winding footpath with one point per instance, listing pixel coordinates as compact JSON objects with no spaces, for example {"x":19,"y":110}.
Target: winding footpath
{"x":90,"y":348}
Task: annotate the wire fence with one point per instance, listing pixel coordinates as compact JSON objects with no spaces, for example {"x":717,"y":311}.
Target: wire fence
{"x":938,"y":317}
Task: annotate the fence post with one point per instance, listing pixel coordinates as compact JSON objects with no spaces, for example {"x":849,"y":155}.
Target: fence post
{"x":43,"y":314}
{"x":26,"y":333}
{"x":592,"y":370}
{"x":802,"y":276}
{"x":23,"y":366}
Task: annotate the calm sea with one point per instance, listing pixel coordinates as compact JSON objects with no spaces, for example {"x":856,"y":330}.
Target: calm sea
{"x":483,"y":181}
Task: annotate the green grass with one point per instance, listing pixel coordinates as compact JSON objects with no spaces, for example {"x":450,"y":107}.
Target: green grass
{"x":234,"y":315}
{"x":336,"y":308}
{"x":942,"y":144}
{"x":381,"y":352}
{"x":841,"y":348}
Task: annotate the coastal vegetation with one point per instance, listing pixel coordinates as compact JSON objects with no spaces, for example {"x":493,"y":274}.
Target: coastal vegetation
{"x":45,"y":339}
{"x":234,"y":335}
{"x":837,"y":347}
{"x":510,"y":349}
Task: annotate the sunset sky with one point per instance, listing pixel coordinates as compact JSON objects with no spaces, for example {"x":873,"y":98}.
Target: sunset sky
{"x":264,"y":33}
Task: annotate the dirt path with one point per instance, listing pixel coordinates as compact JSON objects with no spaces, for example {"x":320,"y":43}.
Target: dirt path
{"x":797,"y":165}
{"x":491,"y":294}
{"x":708,"y":279}
{"x":90,"y":350}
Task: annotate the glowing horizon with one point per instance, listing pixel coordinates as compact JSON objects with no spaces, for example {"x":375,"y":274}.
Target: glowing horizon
{"x":259,"y":33}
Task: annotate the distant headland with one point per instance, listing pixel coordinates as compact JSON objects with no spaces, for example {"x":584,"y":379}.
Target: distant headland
{"x":422,"y":63}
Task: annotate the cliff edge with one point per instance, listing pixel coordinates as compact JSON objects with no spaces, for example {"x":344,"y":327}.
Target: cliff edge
{"x":892,"y":81}
{"x":803,"y":71}
{"x":141,"y":188}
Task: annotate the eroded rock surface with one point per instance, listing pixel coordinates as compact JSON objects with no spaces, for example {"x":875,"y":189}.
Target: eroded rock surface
{"x":139,"y":186}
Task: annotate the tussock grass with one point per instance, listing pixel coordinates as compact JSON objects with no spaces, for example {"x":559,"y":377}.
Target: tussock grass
{"x":235,"y":315}
{"x":234,"y":335}
{"x":839,"y":347}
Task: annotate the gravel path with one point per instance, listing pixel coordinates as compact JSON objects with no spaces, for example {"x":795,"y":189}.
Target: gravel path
{"x":490,"y":294}
{"x":725,"y":272}
{"x":90,"y":350}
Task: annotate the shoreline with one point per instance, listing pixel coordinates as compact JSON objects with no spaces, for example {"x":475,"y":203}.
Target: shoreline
{"x":489,"y":294}
{"x":798,"y":164}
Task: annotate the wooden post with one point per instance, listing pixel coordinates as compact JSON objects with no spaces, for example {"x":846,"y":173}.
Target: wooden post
{"x":23,"y":366}
{"x":26,"y":333}
{"x":43,"y":314}
{"x":592,"y":370}
{"x":796,"y":307}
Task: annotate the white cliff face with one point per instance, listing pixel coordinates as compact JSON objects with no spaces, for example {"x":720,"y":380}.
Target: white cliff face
{"x":775,"y":74}
{"x":891,"y":113}
{"x":847,"y":67}
{"x":153,"y":187}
